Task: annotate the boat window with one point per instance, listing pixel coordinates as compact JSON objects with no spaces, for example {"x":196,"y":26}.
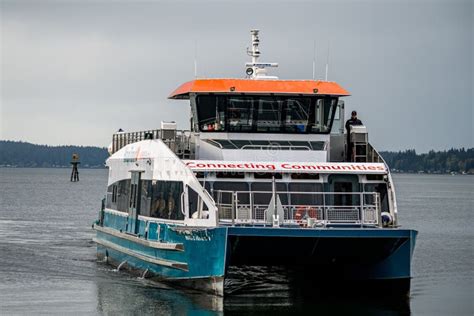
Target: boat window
{"x":118,"y":196}
{"x":323,"y":115}
{"x":345,"y":190}
{"x":110,"y":202}
{"x":374,"y":177}
{"x":380,"y":188}
{"x":145,"y":197}
{"x":269,"y":115}
{"x":338,"y":123}
{"x":276,"y":114}
{"x":266,"y":144}
{"x":195,"y":203}
{"x":302,"y":145}
{"x":260,"y":198}
{"x":267,"y":175}
{"x":226,"y":198}
{"x":114,"y":194}
{"x":297,"y":114}
{"x":199,"y":174}
{"x":303,"y":193}
{"x":305,"y":176}
{"x":211,"y":114}
{"x":240,"y":114}
{"x":166,"y":200}
{"x":230,"y":175}
{"x":123,"y":196}
{"x":318,"y":145}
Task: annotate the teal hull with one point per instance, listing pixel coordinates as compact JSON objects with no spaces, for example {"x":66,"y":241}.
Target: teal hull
{"x":199,"y":257}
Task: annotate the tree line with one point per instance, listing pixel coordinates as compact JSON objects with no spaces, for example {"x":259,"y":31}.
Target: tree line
{"x":453,"y":160}
{"x":22,"y":154}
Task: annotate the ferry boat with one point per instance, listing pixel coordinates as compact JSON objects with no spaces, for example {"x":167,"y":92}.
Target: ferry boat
{"x":265,"y":176}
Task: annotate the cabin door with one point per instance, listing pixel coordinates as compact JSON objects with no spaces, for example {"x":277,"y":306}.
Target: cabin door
{"x":340,"y":184}
{"x":133,"y":204}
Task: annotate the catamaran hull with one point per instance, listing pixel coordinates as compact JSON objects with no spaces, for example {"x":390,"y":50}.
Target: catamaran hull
{"x":199,"y":257}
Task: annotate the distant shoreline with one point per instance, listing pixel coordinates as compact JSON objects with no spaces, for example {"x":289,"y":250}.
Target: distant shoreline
{"x":55,"y":167}
{"x":105,"y":168}
{"x":14,"y":154}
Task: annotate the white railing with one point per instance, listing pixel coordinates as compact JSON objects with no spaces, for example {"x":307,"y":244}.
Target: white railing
{"x":180,"y":141}
{"x":300,"y":208}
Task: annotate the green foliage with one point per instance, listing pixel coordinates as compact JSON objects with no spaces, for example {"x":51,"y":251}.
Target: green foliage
{"x":453,"y":160}
{"x":21,"y":154}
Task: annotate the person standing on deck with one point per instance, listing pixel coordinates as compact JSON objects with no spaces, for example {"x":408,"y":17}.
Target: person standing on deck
{"x":352,"y":121}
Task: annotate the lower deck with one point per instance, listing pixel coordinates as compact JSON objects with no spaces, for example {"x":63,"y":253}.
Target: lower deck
{"x":195,"y":256}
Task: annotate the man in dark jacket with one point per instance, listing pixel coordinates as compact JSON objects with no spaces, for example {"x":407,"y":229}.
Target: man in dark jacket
{"x":352,"y":121}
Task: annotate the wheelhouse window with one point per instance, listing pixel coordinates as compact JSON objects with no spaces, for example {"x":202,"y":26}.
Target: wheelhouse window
{"x":239,"y":113}
{"x":265,"y":114}
{"x":298,"y":117}
{"x":268,"y":115}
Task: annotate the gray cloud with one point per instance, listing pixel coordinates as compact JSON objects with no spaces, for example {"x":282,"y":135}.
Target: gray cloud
{"x":74,"y":72}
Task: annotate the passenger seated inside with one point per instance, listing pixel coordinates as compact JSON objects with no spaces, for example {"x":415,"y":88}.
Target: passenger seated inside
{"x":159,"y":206}
{"x":171,"y":207}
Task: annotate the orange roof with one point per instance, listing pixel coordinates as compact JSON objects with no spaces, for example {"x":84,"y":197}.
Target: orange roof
{"x":250,"y":86}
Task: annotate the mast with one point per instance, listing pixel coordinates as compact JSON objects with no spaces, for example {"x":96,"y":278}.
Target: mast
{"x":254,"y":69}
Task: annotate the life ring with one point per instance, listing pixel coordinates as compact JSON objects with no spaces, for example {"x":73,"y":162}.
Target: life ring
{"x":304,"y":212}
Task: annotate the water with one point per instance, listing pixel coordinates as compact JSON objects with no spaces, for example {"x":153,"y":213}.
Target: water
{"x":48,"y":263}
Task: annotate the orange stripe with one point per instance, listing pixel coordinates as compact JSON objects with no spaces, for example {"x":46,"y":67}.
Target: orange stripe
{"x":249,"y":86}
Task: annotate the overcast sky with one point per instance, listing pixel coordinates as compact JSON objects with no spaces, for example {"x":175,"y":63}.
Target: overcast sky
{"x":73,"y":72}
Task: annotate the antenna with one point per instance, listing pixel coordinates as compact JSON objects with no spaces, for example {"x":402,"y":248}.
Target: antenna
{"x":195,"y":59}
{"x":314,"y":59}
{"x":327,"y":63}
{"x":254,"y":69}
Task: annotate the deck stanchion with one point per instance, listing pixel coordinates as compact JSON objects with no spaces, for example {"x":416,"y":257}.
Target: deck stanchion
{"x":234,"y":205}
{"x":252,"y":216}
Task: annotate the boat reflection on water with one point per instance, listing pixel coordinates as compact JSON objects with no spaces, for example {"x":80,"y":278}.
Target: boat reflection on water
{"x":265,"y":289}
{"x":249,"y":290}
{"x":121,"y":293}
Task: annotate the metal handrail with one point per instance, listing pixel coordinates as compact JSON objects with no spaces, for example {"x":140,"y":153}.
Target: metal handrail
{"x":215,"y":143}
{"x":364,"y":213}
{"x":276,"y":146}
{"x":181,"y":139}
